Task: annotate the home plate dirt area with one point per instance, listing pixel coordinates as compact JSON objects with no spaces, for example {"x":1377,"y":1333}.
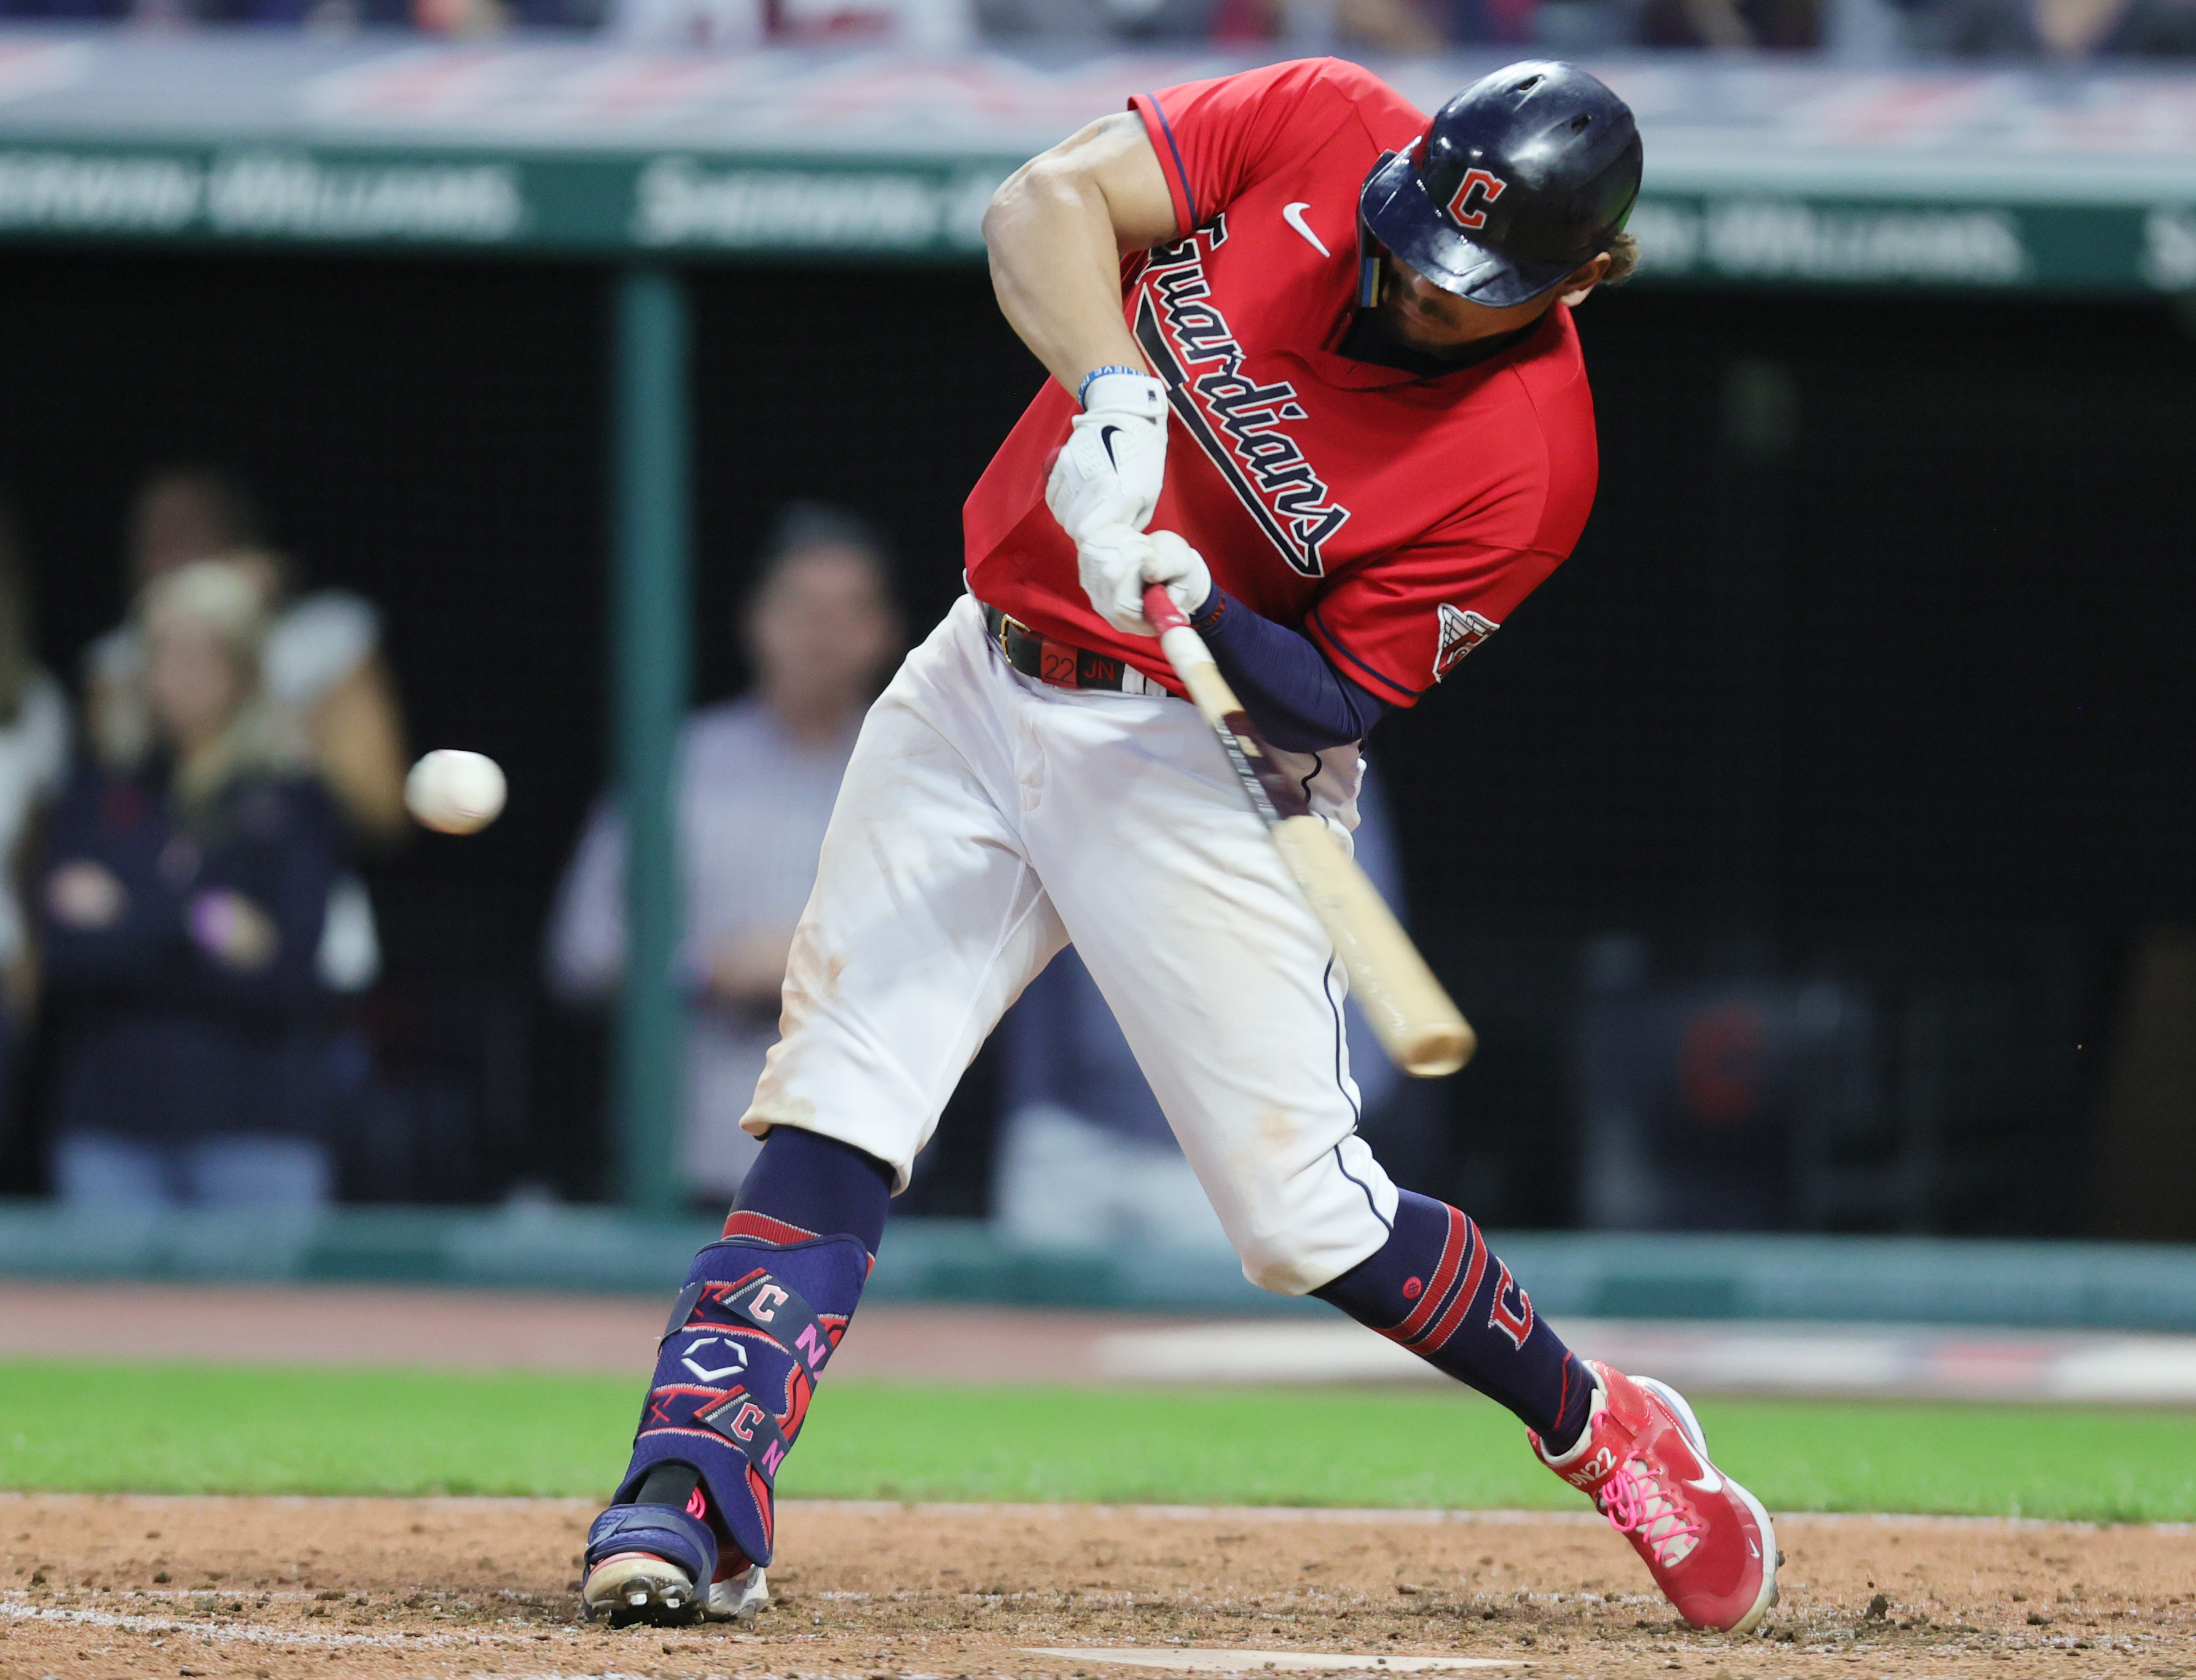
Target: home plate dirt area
{"x":122,"y":1585}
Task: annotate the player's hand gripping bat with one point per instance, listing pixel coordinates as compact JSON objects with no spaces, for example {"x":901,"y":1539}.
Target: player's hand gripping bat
{"x":1422,"y":1031}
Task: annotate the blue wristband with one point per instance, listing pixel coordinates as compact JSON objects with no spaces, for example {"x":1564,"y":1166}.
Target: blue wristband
{"x":1098,"y":373}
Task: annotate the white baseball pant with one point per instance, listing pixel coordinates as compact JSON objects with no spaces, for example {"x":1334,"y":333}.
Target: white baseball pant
{"x":986,"y":820}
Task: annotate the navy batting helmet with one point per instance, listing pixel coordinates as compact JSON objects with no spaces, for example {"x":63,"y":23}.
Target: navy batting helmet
{"x":1518,"y":180}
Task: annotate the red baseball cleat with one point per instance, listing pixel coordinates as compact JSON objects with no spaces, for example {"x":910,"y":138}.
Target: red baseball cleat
{"x":1643,"y":1462}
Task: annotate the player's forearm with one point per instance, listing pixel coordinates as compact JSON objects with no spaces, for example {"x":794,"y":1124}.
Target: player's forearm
{"x":1056,"y":229}
{"x":1299,"y":702}
{"x":1056,"y":271}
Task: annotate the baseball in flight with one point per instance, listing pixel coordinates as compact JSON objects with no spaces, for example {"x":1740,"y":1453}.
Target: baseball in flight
{"x":453,"y":791}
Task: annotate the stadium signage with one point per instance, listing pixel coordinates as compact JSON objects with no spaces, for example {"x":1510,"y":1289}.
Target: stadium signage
{"x":277,"y":195}
{"x":2168,"y":255}
{"x":704,"y":206}
{"x":1762,"y":170}
{"x":679,"y":201}
{"x":1773,"y":239}
{"x":1758,"y":238}
{"x":259,"y":195}
{"x":74,"y":193}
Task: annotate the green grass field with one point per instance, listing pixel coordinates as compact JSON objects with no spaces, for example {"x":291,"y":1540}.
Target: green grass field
{"x":180,"y":1428}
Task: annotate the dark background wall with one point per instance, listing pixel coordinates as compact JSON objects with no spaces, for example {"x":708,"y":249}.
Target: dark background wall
{"x":1874,"y":667}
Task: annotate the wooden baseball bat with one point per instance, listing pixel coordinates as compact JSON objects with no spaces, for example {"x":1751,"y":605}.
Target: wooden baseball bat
{"x":1424,"y":1033}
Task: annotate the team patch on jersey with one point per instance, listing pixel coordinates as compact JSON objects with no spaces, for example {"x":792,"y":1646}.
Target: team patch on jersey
{"x":1236,"y":421}
{"x":1460,"y":633}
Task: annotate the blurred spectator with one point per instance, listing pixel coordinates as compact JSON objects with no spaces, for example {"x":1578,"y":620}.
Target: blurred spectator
{"x":1086,"y":1159}
{"x":322,"y":668}
{"x":929,"y":26}
{"x":2057,"y":29}
{"x":756,"y":780}
{"x":1307,"y":26}
{"x":181,"y":897}
{"x":1117,"y":22}
{"x":1783,"y":25}
{"x":323,"y":659}
{"x":34,"y":746}
{"x":438,"y":17}
{"x":2143,"y":1184}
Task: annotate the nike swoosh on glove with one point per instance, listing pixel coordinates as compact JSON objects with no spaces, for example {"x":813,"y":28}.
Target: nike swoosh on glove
{"x":1110,"y":469}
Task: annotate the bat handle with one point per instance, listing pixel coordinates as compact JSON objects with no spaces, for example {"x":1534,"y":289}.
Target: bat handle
{"x":1191,"y":660}
{"x":1159,"y":607}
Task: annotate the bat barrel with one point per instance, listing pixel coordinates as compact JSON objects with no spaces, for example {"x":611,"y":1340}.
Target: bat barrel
{"x":1422,"y":1031}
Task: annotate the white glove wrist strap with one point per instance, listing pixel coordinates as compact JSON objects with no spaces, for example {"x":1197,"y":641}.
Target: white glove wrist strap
{"x":1118,"y":391}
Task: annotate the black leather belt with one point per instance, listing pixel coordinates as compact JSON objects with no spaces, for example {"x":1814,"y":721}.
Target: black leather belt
{"x":1062,"y":664}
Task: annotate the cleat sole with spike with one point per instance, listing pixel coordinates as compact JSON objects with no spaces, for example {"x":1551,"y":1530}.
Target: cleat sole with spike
{"x":637,"y":1586}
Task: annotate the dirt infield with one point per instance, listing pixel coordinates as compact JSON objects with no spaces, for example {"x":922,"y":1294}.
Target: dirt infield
{"x":98,"y":1587}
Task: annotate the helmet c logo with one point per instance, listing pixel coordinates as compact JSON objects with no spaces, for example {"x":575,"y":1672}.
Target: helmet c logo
{"x":1467,"y":207}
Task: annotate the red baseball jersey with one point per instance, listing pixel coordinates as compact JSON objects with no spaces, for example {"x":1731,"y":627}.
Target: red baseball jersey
{"x":1395,"y":519}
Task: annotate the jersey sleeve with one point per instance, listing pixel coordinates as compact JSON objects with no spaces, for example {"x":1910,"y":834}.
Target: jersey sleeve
{"x":1398,"y":626}
{"x":1216,"y":138}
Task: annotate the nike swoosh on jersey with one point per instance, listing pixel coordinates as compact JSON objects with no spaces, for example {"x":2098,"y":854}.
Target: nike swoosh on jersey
{"x":1294,"y":215}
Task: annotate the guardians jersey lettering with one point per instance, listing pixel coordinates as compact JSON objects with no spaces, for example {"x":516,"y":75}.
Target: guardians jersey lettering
{"x":1181,"y":329}
{"x":1343,"y":499}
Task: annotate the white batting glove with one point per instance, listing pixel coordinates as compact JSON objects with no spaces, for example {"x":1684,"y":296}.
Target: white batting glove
{"x":1110,"y":469}
{"x":1116,"y":562}
{"x":1110,"y":563}
{"x":1181,"y":568}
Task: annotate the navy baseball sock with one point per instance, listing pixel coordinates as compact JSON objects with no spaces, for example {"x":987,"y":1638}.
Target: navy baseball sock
{"x":818,"y":1184}
{"x":757,"y":1320}
{"x":1434,"y":1287}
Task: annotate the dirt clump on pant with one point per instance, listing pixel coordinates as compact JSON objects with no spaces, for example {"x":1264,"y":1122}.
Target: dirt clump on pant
{"x":124,"y":1585}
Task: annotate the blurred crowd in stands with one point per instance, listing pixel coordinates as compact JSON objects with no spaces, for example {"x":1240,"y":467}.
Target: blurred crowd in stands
{"x":1083,"y":1156}
{"x":2039,"y":31}
{"x":183,"y":925}
{"x":193,"y":1010}
{"x":181,"y":893}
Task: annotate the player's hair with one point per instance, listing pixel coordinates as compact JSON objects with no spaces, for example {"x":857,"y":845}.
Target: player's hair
{"x":1623,"y":259}
{"x":229,"y":598}
{"x":226,"y":497}
{"x":801,"y":526}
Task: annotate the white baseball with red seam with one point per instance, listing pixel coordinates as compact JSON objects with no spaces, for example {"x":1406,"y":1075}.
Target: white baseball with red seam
{"x":454,"y":791}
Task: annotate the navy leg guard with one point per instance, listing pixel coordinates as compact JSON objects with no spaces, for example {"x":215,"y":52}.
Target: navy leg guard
{"x":751,"y":1333}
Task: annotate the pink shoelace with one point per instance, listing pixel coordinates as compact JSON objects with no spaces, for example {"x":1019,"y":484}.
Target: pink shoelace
{"x":1635,"y":1502}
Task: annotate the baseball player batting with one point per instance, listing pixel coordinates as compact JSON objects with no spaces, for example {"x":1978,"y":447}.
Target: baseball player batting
{"x":1314,"y":374}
